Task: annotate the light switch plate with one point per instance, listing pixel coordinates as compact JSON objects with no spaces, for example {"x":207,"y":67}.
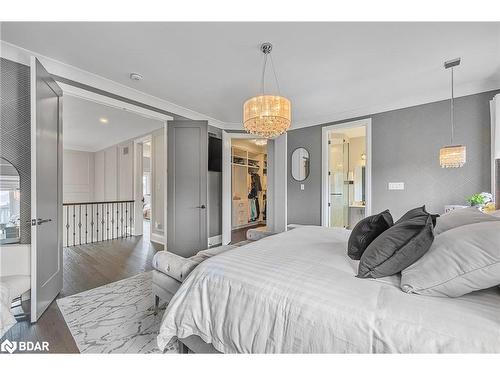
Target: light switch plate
{"x":302,"y":187}
{"x":396,"y":185}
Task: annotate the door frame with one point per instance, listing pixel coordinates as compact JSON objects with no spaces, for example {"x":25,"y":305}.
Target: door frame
{"x":227,"y":213}
{"x":138,"y":191}
{"x":367,"y":123}
{"x":111,"y":102}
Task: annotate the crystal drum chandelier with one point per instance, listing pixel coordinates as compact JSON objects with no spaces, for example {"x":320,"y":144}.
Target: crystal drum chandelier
{"x":267,"y":115}
{"x":453,"y":156}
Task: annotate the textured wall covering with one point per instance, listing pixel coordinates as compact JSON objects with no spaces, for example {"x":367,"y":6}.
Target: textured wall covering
{"x":15,"y":131}
{"x":406,"y":146}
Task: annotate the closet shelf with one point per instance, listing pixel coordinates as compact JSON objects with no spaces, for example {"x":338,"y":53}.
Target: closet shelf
{"x":246,"y":165}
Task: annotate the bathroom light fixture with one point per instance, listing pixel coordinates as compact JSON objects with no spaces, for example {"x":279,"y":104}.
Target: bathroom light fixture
{"x":453,"y":156}
{"x":267,"y":115}
{"x":136,"y":77}
{"x":103,"y":120}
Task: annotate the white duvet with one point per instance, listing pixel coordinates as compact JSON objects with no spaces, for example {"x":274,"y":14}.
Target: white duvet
{"x":296,"y":292}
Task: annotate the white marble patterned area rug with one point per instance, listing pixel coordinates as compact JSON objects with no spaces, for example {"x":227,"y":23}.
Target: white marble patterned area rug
{"x":115,"y":318}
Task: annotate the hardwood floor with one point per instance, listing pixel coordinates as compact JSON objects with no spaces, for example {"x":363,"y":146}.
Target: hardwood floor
{"x":86,"y":267}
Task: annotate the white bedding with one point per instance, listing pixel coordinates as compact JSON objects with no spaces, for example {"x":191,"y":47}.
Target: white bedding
{"x":296,"y":292}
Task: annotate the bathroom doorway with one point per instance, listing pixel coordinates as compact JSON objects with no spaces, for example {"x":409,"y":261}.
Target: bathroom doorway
{"x":346,"y":174}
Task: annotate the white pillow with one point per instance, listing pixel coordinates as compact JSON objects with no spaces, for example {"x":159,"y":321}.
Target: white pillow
{"x":457,"y":218}
{"x":460,"y":261}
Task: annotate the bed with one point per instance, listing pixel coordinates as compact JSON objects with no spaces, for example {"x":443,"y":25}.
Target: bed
{"x":296,"y":292}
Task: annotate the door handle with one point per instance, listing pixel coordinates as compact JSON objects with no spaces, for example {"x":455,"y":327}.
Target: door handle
{"x":202,"y":207}
{"x":41,"y":221}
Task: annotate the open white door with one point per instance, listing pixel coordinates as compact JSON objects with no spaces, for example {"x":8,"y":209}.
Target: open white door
{"x":226,"y":188}
{"x":277,"y":184}
{"x":46,"y":190}
{"x":187,"y":155}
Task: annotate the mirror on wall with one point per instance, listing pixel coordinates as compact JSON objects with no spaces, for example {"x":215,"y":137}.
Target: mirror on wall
{"x":300,"y":164}
{"x":10,"y":203}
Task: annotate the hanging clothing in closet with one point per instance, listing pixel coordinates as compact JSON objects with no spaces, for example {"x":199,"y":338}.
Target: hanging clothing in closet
{"x":253,"y":197}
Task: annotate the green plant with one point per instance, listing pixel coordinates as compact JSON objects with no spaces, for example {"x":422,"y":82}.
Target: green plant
{"x":476,"y":199}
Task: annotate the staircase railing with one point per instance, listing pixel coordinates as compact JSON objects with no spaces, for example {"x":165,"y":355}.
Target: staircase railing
{"x":89,"y":222}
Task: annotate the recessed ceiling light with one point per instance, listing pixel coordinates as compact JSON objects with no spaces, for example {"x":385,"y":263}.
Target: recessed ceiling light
{"x":136,"y":77}
{"x":104,"y":120}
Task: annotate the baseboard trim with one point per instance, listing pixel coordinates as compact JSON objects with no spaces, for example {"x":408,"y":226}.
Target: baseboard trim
{"x":215,"y":240}
{"x":158,"y":238}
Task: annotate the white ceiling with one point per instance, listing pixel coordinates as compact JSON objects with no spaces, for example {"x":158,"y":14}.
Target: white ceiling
{"x":329,"y":70}
{"x":83,"y":131}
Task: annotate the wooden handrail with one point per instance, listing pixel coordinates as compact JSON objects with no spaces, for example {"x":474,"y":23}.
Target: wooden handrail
{"x":100,"y":202}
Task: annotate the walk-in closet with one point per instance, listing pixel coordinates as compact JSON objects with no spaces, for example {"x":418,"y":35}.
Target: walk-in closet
{"x":249,"y":184}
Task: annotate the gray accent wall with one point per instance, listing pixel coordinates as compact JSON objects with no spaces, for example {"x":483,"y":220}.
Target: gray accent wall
{"x":406,"y":145}
{"x":15,"y":132}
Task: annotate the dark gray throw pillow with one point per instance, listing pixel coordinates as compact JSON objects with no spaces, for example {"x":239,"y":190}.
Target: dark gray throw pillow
{"x":398,"y":247}
{"x":365,"y":231}
{"x":419,"y":211}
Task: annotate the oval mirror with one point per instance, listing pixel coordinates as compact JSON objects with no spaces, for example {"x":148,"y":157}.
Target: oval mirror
{"x":10,"y":203}
{"x":300,"y":164}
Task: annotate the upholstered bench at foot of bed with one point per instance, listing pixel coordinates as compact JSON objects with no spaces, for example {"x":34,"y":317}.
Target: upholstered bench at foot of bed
{"x":170,"y":270}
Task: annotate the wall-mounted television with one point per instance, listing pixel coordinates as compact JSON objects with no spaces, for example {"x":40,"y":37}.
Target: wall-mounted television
{"x":214,"y":154}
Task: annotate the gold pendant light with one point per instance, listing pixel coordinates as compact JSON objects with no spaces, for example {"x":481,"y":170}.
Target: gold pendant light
{"x":267,"y":115}
{"x":453,"y":156}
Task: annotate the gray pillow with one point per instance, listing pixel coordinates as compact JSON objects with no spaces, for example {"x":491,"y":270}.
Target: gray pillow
{"x":398,"y":247}
{"x":460,"y":261}
{"x":464,"y":216}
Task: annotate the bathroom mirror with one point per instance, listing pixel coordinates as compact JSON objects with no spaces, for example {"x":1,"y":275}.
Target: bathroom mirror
{"x":300,"y":164}
{"x":10,"y":203}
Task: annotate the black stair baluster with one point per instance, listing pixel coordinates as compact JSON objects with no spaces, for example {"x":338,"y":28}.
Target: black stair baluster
{"x":80,"y":224}
{"x":74,"y":227}
{"x":86,"y":224}
{"x":107,"y":222}
{"x":131,"y":215}
{"x":67,"y":226}
{"x":97,"y":222}
{"x":91,"y":223}
{"x":121,"y":217}
{"x":112,"y":219}
{"x":126,"y":219}
{"x":102,"y":222}
{"x":117,"y":221}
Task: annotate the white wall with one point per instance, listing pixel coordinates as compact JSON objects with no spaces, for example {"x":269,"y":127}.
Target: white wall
{"x":110,"y":173}
{"x":99,"y":176}
{"x":125,"y":176}
{"x":114,"y":172}
{"x":78,"y":176}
